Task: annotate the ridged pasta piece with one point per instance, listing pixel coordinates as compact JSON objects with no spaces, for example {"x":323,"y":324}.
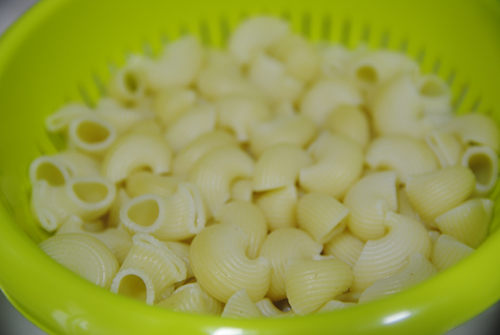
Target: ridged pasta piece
{"x":133,"y":152}
{"x":334,"y":305}
{"x":256,"y":35}
{"x":121,"y":118}
{"x":279,"y":206}
{"x":118,"y":241}
{"x":169,"y":105}
{"x":293,"y":129}
{"x":250,"y":219}
{"x":182,"y":251}
{"x":352,"y":297}
{"x":326,"y":96}
{"x":404,"y":154}
{"x":173,"y":218}
{"x":338,"y":165}
{"x":268,"y":309}
{"x":87,"y":197}
{"x":84,"y":255}
{"x":191,"y":298}
{"x":240,"y":113}
{"x":432,"y":194}
{"x":404,"y":206}
{"x":194,"y":123}
{"x":242,"y":190}
{"x":468,"y":222}
{"x":483,"y":162}
{"x":177,"y":66}
{"x":434,"y":235}
{"x":281,"y":246}
{"x":187,"y":157}
{"x":322,"y":216}
{"x":335,"y":60}
{"x":417,"y":270}
{"x":279,"y":166}
{"x":147,"y":127}
{"x":475,"y":129}
{"x":91,"y":134}
{"x":351,"y":122}
{"x":220,"y":264}
{"x":345,"y":246}
{"x":129,"y":84}
{"x":144,"y":182}
{"x":240,"y":306}
{"x":384,"y":257}
{"x":310,"y":283}
{"x":368,"y":201}
{"x":113,"y":217}
{"x":435,"y":95}
{"x":448,"y":251}
{"x":149,"y":268}
{"x":60,"y":119}
{"x":215,"y":173}
{"x":446,"y":146}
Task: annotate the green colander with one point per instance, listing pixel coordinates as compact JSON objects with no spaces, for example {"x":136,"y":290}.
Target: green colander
{"x":62,"y":50}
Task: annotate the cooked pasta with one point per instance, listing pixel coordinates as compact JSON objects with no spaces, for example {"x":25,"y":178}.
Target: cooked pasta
{"x":483,"y":162}
{"x":345,"y":246}
{"x":349,"y":121}
{"x":448,"y":251}
{"x":279,"y":206}
{"x":475,"y":129}
{"x":240,"y":306}
{"x":191,"y":298}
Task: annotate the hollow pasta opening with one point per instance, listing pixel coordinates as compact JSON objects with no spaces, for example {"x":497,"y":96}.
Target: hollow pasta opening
{"x":91,"y":192}
{"x":134,"y":287}
{"x":91,"y":132}
{"x":432,"y":88}
{"x":482,"y":168}
{"x":367,"y":74}
{"x":51,"y":173}
{"x":144,"y":213}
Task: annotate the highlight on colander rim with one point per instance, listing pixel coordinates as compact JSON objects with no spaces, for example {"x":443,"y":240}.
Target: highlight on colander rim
{"x":64,"y":52}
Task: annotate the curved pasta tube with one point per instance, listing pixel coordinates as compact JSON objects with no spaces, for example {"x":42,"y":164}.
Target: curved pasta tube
{"x":468,"y":222}
{"x":114,"y":210}
{"x":147,"y":127}
{"x":59,"y":121}
{"x":268,"y":309}
{"x":279,"y":166}
{"x":446,"y":146}
{"x":404,"y":206}
{"x":334,"y":305}
{"x":417,"y":270}
{"x":133,"y":152}
{"x":279,"y":206}
{"x":483,"y":162}
{"x":250,"y":219}
{"x":435,"y":95}
{"x":191,"y":298}
{"x":475,"y":129}
{"x":129,"y":84}
{"x":149,"y":268}
{"x":84,"y":255}
{"x":91,"y":134}
{"x":335,"y":60}
{"x":279,"y":248}
{"x":326,"y":96}
{"x":87,"y":197}
{"x":292,"y":129}
{"x":339,"y":163}
{"x":310,"y":283}
{"x":169,"y":105}
{"x":176,"y":217}
{"x":406,"y":155}
{"x":384,"y":257}
{"x":255,"y":35}
{"x":432,"y":194}
{"x":242,"y":190}
{"x":144,"y":182}
{"x":345,"y":246}
{"x":322,"y":216}
{"x":240,"y":306}
{"x":351,"y":122}
{"x":215,"y":173}
{"x":122,"y":119}
{"x":221,"y":266}
{"x":182,"y":251}
{"x":448,"y":251}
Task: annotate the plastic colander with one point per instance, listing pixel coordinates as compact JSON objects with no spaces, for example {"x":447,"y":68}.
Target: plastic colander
{"x":61,"y":51}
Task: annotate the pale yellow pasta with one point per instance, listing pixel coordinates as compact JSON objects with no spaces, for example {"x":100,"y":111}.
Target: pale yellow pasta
{"x":483,"y":162}
{"x":133,"y":152}
{"x":468,"y":222}
{"x":143,"y":182}
{"x":194,"y":123}
{"x":310,"y":284}
{"x":170,"y":104}
{"x":281,"y":246}
{"x":87,"y":197}
{"x":435,"y":96}
{"x":121,"y":198}
{"x":149,"y":268}
{"x":475,"y":129}
{"x":432,"y":194}
{"x":147,"y":127}
{"x":50,"y":169}
{"x":177,"y":66}
{"x":334,"y":305}
{"x":406,"y":155}
{"x":78,"y":164}
{"x":335,"y":60}
{"x":417,"y":270}
{"x":129,"y":84}
{"x":59,"y":120}
{"x":338,"y":165}
{"x":386,"y":256}
{"x":404,"y":206}
{"x":176,"y":217}
{"x":368,"y":201}
{"x":186,"y":158}
{"x":446,"y":146}
{"x":349,"y":121}
{"x":182,"y":251}
{"x":448,"y":251}
{"x":122,"y":119}
{"x":293,"y":129}
{"x":326,"y":96}
{"x":268,"y":309}
{"x":191,"y":298}
{"x":279,"y":206}
{"x":240,"y":306}
{"x":91,"y":134}
{"x":255,"y":35}
{"x":220,"y":264}
{"x":84,"y":255}
{"x":434,"y":235}
{"x":351,"y":297}
{"x":278,"y":166}
{"x":239,"y":113}
{"x":345,"y":246}
{"x":215,"y":173}
{"x":242,"y":189}
{"x":322,"y":216}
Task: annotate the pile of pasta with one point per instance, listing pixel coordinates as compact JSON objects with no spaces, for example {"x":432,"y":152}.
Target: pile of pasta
{"x":274,"y":178}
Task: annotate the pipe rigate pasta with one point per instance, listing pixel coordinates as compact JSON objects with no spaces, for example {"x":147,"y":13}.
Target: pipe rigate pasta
{"x":448,"y":251}
{"x":240,"y":306}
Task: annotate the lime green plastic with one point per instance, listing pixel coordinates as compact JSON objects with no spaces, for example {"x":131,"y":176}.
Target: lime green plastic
{"x":62,"y":49}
